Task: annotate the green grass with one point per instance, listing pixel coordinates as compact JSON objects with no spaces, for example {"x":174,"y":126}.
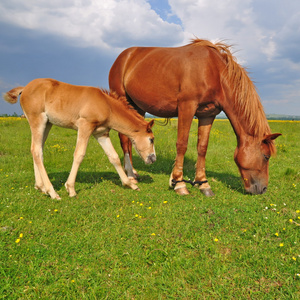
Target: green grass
{"x":114,"y":243}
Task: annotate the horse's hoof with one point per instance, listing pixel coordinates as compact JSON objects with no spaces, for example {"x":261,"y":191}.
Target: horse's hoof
{"x":182,"y":191}
{"x":207,"y":192}
{"x":132,"y":179}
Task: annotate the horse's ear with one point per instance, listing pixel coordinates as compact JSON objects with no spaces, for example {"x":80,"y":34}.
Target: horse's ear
{"x":150,"y":125}
{"x":270,"y":137}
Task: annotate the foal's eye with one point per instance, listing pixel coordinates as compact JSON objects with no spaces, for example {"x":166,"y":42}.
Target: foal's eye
{"x":267,"y":157}
{"x":151,"y":140}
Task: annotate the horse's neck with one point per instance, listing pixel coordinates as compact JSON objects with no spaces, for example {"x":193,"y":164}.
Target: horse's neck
{"x":239,"y":126}
{"x":124,"y":120}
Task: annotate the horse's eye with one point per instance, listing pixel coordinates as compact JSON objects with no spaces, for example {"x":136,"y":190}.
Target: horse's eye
{"x":267,"y":157}
{"x":151,"y":140}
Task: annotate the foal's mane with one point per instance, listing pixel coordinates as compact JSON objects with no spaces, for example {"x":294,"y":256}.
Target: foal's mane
{"x":246,"y":99}
{"x":121,"y":100}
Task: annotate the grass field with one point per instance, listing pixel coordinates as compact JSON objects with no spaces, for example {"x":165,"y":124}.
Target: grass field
{"x":114,"y":243}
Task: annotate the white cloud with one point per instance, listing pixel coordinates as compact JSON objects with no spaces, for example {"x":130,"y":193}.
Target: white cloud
{"x":105,"y":24}
{"x":252,"y":26}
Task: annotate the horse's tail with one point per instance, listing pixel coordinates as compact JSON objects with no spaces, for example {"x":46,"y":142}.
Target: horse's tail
{"x":12,"y":95}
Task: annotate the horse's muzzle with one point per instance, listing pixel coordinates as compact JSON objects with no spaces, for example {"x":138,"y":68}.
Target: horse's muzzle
{"x":151,"y":159}
{"x":256,"y":189}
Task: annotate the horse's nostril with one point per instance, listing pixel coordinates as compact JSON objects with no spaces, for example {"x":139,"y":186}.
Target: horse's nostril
{"x":152,"y":157}
{"x":264,"y":190}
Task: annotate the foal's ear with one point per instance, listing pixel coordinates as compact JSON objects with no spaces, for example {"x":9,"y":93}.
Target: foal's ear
{"x":150,"y":125}
{"x":270,"y":137}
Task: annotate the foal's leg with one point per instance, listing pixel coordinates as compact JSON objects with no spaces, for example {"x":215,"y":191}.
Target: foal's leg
{"x":204,"y":127}
{"x":39,"y":185}
{"x":114,"y":159}
{"x":186,"y":111}
{"x":38,"y":127}
{"x":84,"y":132}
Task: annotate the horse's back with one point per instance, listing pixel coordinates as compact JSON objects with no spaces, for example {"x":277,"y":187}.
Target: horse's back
{"x":62,"y":103}
{"x":155,"y":78}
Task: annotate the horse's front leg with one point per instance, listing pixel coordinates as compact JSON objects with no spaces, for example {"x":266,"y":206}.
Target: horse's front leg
{"x":185,"y":117}
{"x":85,"y":129}
{"x":204,"y":127}
{"x":114,"y":159}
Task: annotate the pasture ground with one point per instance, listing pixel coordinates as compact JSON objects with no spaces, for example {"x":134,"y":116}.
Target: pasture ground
{"x":114,"y":243}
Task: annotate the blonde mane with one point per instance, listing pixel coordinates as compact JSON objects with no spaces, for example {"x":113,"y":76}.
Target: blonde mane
{"x":246,"y":99}
{"x":123,"y":101}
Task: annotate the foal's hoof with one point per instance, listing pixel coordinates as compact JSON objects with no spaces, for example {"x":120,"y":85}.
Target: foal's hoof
{"x":182,"y":191}
{"x":133,"y":179}
{"x":207,"y":192}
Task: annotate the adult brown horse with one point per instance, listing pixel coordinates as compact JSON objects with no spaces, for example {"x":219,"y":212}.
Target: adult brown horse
{"x":199,"y":79}
{"x":90,"y":111}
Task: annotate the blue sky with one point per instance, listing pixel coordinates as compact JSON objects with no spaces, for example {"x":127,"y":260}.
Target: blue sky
{"x":77,"y":41}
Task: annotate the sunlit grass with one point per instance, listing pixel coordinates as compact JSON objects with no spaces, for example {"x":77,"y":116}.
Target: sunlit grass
{"x":114,"y":243}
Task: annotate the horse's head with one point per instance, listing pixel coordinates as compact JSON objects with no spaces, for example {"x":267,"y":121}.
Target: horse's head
{"x":252,"y":158}
{"x":143,"y":143}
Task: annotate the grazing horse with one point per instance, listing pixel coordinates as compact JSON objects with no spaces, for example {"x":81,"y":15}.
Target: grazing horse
{"x":199,"y":79}
{"x":90,"y":111}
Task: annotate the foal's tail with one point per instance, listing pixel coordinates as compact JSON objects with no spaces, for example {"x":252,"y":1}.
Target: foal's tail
{"x":12,"y":95}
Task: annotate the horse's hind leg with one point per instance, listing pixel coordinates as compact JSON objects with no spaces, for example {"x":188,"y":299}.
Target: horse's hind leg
{"x":39,"y":127}
{"x":204,"y":127}
{"x":127,"y":150}
{"x":39,"y":185}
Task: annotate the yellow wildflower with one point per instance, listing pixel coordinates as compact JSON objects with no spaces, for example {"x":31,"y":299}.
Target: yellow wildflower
{"x":281,"y":245}
{"x":18,"y":241}
{"x":277,"y":234}
{"x":216,"y":240}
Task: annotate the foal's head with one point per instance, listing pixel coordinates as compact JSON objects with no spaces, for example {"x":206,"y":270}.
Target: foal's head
{"x":252,"y":159}
{"x":143,"y":143}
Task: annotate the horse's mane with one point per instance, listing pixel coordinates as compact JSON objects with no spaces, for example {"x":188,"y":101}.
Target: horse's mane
{"x":246,"y":99}
{"x":123,"y":101}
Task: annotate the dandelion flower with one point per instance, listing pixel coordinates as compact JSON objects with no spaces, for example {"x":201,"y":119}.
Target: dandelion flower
{"x":55,"y":210}
{"x":291,"y":220}
{"x":21,"y":235}
{"x":149,"y":207}
{"x":118,"y":216}
{"x":216,"y":239}
{"x":298,"y":211}
{"x":153,"y":234}
{"x":18,"y":241}
{"x":294,"y":258}
{"x":281,"y":245}
{"x":165,"y":202}
{"x":277,"y":234}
